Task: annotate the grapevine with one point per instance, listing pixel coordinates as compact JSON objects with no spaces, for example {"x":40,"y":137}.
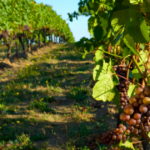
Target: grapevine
{"x":121,"y":43}
{"x":33,"y":22}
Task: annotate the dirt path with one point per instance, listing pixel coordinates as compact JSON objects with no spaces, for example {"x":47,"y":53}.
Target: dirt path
{"x":47,"y":96}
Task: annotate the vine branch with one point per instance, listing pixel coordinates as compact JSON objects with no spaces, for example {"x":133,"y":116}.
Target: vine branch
{"x":129,"y":69}
{"x":111,"y":54}
{"x":128,"y":79}
{"x":134,"y":60}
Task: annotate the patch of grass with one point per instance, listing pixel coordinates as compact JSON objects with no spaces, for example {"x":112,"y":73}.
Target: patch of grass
{"x":54,"y":89}
{"x":24,"y":143}
{"x":71,"y":56}
{"x":41,"y":106}
{"x":39,"y":136}
{"x":78,"y":93}
{"x":9,"y":72}
{"x":79,"y":132}
{"x":2,"y":107}
{"x":102,"y":126}
{"x":44,"y":77}
{"x":76,"y":116}
{"x":28,"y":71}
{"x":85,"y":148}
{"x":3,"y":76}
{"x":49,"y":99}
{"x":24,"y":140}
{"x":102,"y":147}
{"x":11,"y":110}
{"x":82,"y":68}
{"x":70,"y":145}
{"x":15,"y":147}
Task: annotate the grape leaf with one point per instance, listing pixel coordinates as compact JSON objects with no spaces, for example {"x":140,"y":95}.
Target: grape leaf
{"x":104,"y":69}
{"x":126,"y":52}
{"x":98,"y":64}
{"x":85,"y":53}
{"x":139,"y":25}
{"x":131,"y":90}
{"x":130,"y":43}
{"x":142,"y":46}
{"x":144,"y":29}
{"x":143,"y":56}
{"x":145,"y":7}
{"x":134,"y":2}
{"x":115,"y":24}
{"x":97,"y":71}
{"x":104,"y":88}
{"x":116,"y":99}
{"x":122,"y":18}
{"x":127,"y":145}
{"x":135,"y":72}
{"x":148,"y":134}
{"x":92,"y":22}
{"x":98,"y":33}
{"x":99,"y":55}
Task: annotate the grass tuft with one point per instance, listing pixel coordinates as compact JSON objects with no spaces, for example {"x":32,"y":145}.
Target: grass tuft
{"x":78,"y":93}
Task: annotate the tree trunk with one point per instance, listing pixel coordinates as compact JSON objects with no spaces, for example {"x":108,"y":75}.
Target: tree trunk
{"x":16,"y":46}
{"x":54,"y":38}
{"x":44,"y":41}
{"x":9,"y":49}
{"x":44,"y":36}
{"x":39,"y":42}
{"x":28,"y":45}
{"x":49,"y":38}
{"x":22,"y":44}
{"x":60,"y":40}
{"x":32,"y":40}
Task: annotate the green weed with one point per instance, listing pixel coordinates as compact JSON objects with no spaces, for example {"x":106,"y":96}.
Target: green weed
{"x":41,"y":106}
{"x":78,"y":93}
{"x":2,"y":107}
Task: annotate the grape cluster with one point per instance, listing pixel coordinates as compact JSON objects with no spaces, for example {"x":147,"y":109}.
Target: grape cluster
{"x":115,"y":136}
{"x":137,"y":111}
{"x":121,"y":70}
{"x":13,"y":37}
{"x":5,"y":35}
{"x":26,"y":28}
{"x":123,"y":86}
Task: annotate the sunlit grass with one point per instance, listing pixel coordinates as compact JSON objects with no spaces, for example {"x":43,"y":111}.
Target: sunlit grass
{"x":28,"y":100}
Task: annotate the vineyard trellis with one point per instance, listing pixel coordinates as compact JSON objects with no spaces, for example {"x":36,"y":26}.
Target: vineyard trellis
{"x":26,"y":21}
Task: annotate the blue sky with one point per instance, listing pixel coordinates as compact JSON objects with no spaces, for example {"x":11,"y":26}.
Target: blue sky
{"x":78,"y":27}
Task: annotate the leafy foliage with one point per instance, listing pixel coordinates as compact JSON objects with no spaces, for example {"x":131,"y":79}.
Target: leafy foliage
{"x":120,"y":29}
{"x":29,"y":18}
